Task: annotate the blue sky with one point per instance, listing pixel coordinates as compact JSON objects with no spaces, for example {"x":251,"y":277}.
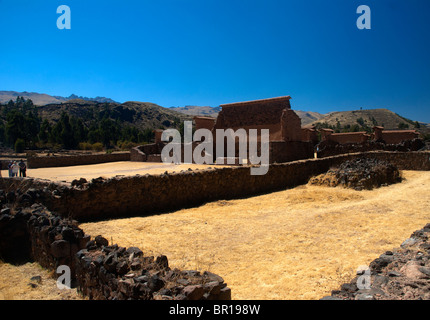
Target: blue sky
{"x":210,"y":52}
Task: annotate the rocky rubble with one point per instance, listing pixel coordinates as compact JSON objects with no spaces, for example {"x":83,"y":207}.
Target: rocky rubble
{"x":103,"y":271}
{"x":359,"y":174}
{"x":110,"y":272}
{"x":400,"y":274}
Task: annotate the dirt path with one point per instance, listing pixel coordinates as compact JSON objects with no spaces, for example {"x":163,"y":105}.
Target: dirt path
{"x":294,"y":244}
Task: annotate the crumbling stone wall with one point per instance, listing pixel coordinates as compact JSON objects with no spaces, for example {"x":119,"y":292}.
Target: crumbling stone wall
{"x":75,"y":160}
{"x":399,"y":274}
{"x":101,"y":271}
{"x":149,"y":194}
{"x":116,"y":273}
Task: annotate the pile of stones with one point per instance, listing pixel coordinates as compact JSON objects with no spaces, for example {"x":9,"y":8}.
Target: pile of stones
{"x":110,"y":272}
{"x":400,"y":274}
{"x":359,"y":174}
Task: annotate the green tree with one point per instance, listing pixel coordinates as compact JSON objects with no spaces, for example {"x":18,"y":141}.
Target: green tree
{"x":15,"y":126}
{"x":45,"y":131}
{"x":19,"y":145}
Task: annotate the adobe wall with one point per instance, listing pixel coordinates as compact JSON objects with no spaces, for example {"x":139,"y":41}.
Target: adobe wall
{"x":286,"y":151}
{"x":395,"y":137}
{"x":204,"y":122}
{"x":350,"y":137}
{"x":75,"y":160}
{"x":258,"y":114}
{"x":149,"y":194}
{"x":309,"y":135}
{"x":291,"y":126}
{"x":330,"y":148}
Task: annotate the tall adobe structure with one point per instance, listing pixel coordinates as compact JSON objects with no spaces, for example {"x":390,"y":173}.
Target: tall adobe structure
{"x":274,"y":114}
{"x":285,"y":131}
{"x":287,"y":142}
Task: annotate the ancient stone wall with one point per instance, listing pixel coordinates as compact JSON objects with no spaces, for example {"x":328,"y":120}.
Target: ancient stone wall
{"x":402,"y":273}
{"x":349,"y":137}
{"x":149,"y":194}
{"x":100,"y":271}
{"x":136,"y":154}
{"x":75,"y":160}
{"x":398,"y":136}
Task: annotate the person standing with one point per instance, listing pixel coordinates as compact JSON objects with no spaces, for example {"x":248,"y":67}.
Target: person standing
{"x":9,"y":167}
{"x":15,"y":169}
{"x":22,"y":169}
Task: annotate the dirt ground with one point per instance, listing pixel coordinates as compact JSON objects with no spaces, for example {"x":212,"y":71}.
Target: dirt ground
{"x":106,"y":170}
{"x":298,"y":244}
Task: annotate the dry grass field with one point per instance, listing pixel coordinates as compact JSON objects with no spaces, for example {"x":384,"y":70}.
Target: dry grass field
{"x":15,"y":284}
{"x":299,"y":243}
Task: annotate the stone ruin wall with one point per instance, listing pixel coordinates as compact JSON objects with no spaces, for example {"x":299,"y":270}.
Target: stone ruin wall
{"x":75,"y":160}
{"x":350,"y":137}
{"x":143,"y":195}
{"x":100,"y":271}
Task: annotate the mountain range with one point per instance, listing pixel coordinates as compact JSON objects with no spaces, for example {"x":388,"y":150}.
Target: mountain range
{"x":149,"y":115}
{"x":41,"y":99}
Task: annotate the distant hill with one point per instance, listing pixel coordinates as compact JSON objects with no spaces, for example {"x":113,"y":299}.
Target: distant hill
{"x":142,"y":115}
{"x":198,"y":111}
{"x":309,"y":117}
{"x":41,"y":99}
{"x":366,"y":119}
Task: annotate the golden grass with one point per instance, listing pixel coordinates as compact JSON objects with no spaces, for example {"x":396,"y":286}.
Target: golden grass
{"x":15,"y":280}
{"x":294,"y":244}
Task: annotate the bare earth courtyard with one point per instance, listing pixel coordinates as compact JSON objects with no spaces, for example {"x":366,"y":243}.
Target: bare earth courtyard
{"x":106,"y":170}
{"x":299,"y":243}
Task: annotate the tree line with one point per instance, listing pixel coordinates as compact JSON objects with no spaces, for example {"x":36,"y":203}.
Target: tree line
{"x":22,"y":127}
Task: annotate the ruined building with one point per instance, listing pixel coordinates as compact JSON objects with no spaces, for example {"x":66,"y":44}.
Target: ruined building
{"x":286,"y":141}
{"x":379,"y":135}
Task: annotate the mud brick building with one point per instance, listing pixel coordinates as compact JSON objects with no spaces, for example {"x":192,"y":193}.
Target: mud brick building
{"x":394,"y":136}
{"x":275,"y":114}
{"x":379,"y":134}
{"x":343,"y":138}
{"x":286,"y":141}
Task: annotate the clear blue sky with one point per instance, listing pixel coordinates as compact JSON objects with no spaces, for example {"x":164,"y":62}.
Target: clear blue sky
{"x":210,"y":52}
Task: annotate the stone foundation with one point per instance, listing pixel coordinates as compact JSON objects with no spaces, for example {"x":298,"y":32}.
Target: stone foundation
{"x":149,"y":194}
{"x":100,"y":271}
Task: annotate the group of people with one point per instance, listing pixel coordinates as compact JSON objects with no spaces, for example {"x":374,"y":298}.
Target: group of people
{"x":16,"y":167}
